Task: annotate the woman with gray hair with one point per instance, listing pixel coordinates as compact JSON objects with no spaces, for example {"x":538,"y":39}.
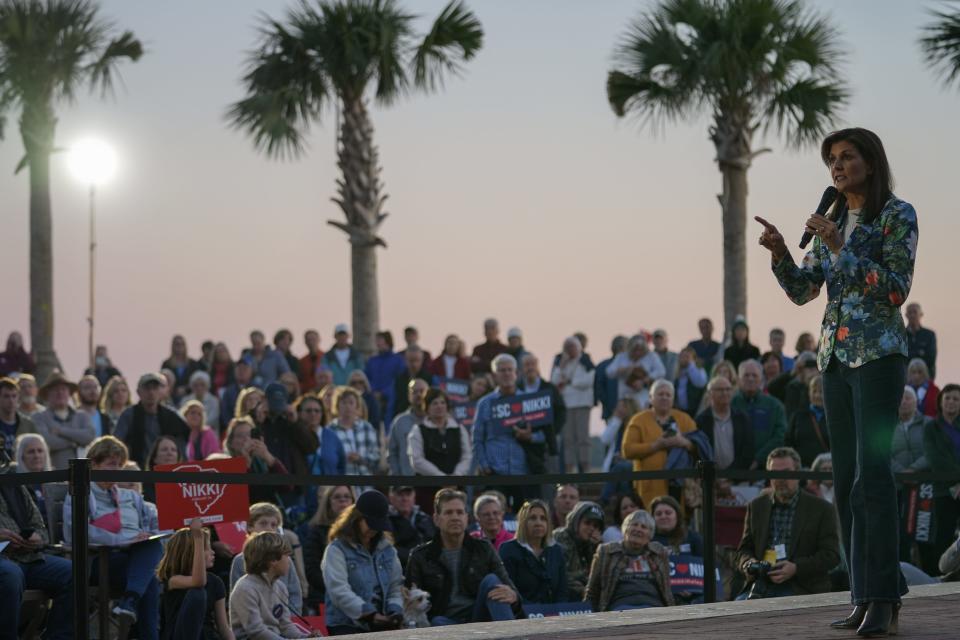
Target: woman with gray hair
{"x":573,"y":376}
{"x":32,"y":455}
{"x":918,"y":377}
{"x":200,"y":391}
{"x":633,"y":574}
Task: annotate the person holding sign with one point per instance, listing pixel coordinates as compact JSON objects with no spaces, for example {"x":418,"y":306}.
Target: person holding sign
{"x":633,"y":574}
{"x":673,"y":534}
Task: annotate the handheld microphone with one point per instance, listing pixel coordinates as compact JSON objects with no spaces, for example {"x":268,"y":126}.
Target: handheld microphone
{"x":829,"y":195}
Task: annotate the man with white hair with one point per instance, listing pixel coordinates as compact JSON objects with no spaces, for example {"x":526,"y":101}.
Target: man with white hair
{"x":767,"y":415}
{"x":638,"y":361}
{"x":921,"y":342}
{"x":498,"y":449}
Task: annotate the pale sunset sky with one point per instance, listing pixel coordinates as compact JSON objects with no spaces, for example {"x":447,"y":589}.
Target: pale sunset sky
{"x":515,"y":193}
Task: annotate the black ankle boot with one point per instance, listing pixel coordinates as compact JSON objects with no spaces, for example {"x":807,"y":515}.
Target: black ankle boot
{"x":852,"y":621}
{"x":878,"y":621}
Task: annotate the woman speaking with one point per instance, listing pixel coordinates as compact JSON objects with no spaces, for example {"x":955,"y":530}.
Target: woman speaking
{"x":864,"y":252}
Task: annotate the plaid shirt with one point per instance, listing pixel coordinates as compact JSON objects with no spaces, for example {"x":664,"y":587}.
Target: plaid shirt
{"x":362,"y":439}
{"x":35,"y":522}
{"x":781,"y":521}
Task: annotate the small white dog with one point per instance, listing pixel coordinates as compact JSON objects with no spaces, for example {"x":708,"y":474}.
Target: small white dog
{"x":416,"y":603}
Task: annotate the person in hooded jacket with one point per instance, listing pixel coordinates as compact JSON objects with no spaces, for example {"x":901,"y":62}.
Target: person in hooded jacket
{"x":579,"y":539}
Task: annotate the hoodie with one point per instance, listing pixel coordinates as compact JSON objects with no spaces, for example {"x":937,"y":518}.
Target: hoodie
{"x":579,"y":553}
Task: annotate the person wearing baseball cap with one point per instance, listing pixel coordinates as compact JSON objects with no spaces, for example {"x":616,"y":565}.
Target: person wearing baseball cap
{"x":139,"y":426}
{"x":579,"y":539}
{"x":515,"y":343}
{"x":362,"y":571}
{"x":342,"y":358}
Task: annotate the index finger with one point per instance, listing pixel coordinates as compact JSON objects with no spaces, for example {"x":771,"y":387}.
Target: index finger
{"x":764,"y":223}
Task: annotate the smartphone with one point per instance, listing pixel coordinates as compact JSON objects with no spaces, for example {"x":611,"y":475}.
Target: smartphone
{"x":256,"y":433}
{"x":26,"y":533}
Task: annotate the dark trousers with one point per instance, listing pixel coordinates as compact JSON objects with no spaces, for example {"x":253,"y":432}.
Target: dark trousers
{"x":189,"y":620}
{"x":861,"y":405}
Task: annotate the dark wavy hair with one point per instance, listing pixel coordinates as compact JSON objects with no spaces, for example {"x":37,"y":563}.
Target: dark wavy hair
{"x":879,"y":180}
{"x":946,"y":389}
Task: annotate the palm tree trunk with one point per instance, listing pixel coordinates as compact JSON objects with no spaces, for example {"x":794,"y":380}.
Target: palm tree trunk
{"x":37,"y":127}
{"x":361,"y":200}
{"x":731,"y":135}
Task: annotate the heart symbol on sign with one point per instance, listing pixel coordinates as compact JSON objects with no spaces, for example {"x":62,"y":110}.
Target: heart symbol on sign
{"x":203,"y":496}
{"x":683,"y":568}
{"x":515,"y":407}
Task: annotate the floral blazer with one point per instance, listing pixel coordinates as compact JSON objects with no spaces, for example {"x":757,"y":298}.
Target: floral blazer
{"x":866,"y":284}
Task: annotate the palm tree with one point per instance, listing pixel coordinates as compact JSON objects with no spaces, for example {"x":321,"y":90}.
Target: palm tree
{"x":48,"y":51}
{"x":333,"y":55}
{"x":941,"y":45}
{"x":752,"y":65}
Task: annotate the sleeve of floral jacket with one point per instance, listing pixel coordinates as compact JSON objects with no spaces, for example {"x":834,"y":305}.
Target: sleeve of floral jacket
{"x":866,"y":284}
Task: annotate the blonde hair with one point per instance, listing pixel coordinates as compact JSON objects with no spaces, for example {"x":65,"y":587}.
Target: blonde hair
{"x":261,"y":549}
{"x":177,"y":557}
{"x":239,"y":411}
{"x":343,"y":392}
{"x":263,"y":510}
{"x":324,"y":514}
{"x":522,"y":516}
{"x":109,"y":389}
{"x":228,"y":437}
{"x":189,"y":405}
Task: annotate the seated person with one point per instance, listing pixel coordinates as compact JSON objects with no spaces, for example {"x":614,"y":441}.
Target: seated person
{"x":24,"y":566}
{"x":633,"y":574}
{"x":332,"y":502}
{"x":267,"y":517}
{"x":193,"y":604}
{"x":411,"y":527}
{"x":534,"y":561}
{"x":673,"y":534}
{"x":122,"y":518}
{"x":259,"y":601}
{"x":792,"y":531}
{"x":488,"y":510}
{"x":361,"y":570}
{"x":465,"y":578}
{"x":620,"y":506}
{"x":579,"y":539}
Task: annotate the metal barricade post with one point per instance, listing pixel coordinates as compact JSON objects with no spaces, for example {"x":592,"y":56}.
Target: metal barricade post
{"x":80,"y":499}
{"x":708,"y":478}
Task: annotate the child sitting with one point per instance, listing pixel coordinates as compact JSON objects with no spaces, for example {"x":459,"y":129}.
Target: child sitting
{"x":193,"y":604}
{"x":265,"y":516}
{"x":121,"y":518}
{"x":259,"y":609}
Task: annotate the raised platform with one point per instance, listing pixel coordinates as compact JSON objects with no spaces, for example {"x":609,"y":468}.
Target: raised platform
{"x":928,"y":612}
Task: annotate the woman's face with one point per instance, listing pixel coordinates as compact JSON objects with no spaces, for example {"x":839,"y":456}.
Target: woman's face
{"x":490,"y":517}
{"x":950,"y":401}
{"x":341,"y":498}
{"x":452,"y":346}
{"x":478,"y":387}
{"x":240,"y":439}
{"x":438,"y":410}
{"x":771,"y":368}
{"x":179,"y":347}
{"x":727,"y":373}
{"x":627,"y":506}
{"x":637,"y":535}
{"x":121,"y":394}
{"x":311,"y":413}
{"x":536,"y":524}
{"x":347,"y":407}
{"x":194,"y":418}
{"x":220,"y":353}
{"x":848,"y":168}
{"x":665,"y":517}
{"x":167,"y":452}
{"x":34,"y":457}
{"x":740,"y":333}
{"x":255,"y":405}
{"x":663,"y":399}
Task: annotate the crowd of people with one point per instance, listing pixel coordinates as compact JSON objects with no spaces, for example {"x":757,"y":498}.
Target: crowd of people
{"x":365,"y":557}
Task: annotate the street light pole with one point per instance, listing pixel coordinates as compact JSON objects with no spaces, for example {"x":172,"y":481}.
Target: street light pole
{"x":93,"y":251}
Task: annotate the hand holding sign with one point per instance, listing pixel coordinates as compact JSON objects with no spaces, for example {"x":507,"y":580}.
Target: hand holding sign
{"x":523,"y":432}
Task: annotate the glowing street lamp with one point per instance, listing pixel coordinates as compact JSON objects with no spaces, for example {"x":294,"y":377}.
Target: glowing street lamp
{"x":93,"y":163}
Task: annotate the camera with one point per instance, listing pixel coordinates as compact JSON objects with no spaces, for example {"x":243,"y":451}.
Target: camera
{"x":758,"y":570}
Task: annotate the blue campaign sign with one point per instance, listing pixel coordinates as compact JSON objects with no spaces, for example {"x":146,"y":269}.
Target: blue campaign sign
{"x":558,"y":609}
{"x":535,"y":409}
{"x":464,"y":413}
{"x":686,"y":574}
{"x":457,"y":390}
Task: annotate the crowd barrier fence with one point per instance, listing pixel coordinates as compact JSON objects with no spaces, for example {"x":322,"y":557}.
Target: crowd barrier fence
{"x":80,"y":475}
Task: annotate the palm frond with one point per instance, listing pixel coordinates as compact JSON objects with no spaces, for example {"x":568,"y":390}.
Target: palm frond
{"x":941,"y":45}
{"x":103,"y":70}
{"x":456,"y":35}
{"x":804,"y":111}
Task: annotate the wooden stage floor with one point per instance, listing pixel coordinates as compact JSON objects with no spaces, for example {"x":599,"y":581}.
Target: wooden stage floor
{"x":928,"y":612}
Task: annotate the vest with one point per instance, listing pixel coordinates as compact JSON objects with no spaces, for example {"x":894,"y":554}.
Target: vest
{"x":443,"y":449}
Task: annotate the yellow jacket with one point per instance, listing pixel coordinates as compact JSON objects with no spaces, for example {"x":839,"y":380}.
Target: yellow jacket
{"x":638,"y":445}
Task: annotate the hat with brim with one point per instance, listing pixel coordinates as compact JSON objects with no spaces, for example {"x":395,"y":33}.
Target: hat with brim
{"x":375,"y":509}
{"x":151,"y":378}
{"x":56,"y":378}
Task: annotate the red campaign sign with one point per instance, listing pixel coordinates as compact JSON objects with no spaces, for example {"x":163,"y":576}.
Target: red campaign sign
{"x":179,"y":503}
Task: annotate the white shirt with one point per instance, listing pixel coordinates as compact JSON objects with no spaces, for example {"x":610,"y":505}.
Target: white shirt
{"x":448,"y":365}
{"x":853,"y":221}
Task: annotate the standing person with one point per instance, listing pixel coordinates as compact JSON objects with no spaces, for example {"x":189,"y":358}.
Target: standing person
{"x":268,"y":364}
{"x":329,"y":458}
{"x":864,"y":254}
{"x":102,"y":368}
{"x":359,"y":438}
{"x":691,"y":381}
{"x":415,"y":368}
{"x":908,"y":453}
{"x":451,"y":363}
{"x":182,"y":367}
{"x":484,"y":353}
{"x":63,"y":427}
{"x":382,"y":371}
{"x":807,"y":433}
{"x":575,"y":382}
{"x":667,"y":357}
{"x":777,"y":341}
{"x":12,"y":422}
{"x":921,"y":342}
{"x":515,"y":343}
{"x":729,"y":430}
{"x":706,"y":348}
{"x":88,"y":400}
{"x":605,"y":387}
{"x":398,"y":458}
{"x":437,"y":445}
{"x":740,"y":348}
{"x":200,"y":391}
{"x":542,"y":450}
{"x":918,"y":377}
{"x":15,"y":359}
{"x":282,"y":340}
{"x":308,"y":364}
{"x":115,"y":398}
{"x":242,"y":380}
{"x":220,"y":369}
{"x":342,"y":358}
{"x":767,"y":415}
{"x":140,"y":425}
{"x":203,"y":440}
{"x":28,"y":395}
{"x":639,"y":363}
{"x":411,"y":337}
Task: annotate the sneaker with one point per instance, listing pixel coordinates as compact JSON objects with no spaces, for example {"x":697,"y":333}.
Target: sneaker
{"x":126,"y":610}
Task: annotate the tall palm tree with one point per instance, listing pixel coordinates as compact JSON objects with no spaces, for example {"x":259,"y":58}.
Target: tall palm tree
{"x":752,"y":65}
{"x":941,"y":44}
{"x":48,"y":52}
{"x":335,"y":54}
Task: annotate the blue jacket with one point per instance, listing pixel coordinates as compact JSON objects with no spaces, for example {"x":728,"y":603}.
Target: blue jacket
{"x":605,"y":389}
{"x":332,"y":460}
{"x":682,"y":459}
{"x":341,"y":375}
{"x":351,"y":574}
{"x":540,"y":580}
{"x":382,"y":370}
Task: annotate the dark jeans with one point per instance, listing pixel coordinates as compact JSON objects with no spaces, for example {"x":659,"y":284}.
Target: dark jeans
{"x":53,"y":576}
{"x":190,"y":615}
{"x":133,"y":570}
{"x":861,"y":405}
{"x":484,"y":609}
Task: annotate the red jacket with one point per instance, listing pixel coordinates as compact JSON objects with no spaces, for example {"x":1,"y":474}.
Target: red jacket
{"x":308,"y":371}
{"x":461,"y":368}
{"x":928,"y":406}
